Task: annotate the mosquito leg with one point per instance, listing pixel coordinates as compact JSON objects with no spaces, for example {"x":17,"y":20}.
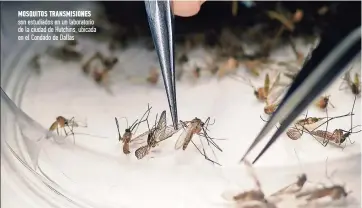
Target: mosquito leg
{"x":209,"y":139}
{"x":58,"y":130}
{"x":203,"y":154}
{"x":326,"y":127}
{"x":213,"y":152}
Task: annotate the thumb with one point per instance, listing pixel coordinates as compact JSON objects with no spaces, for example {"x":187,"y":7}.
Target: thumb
{"x":186,"y":8}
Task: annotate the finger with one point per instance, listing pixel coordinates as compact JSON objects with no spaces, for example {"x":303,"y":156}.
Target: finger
{"x":186,"y":8}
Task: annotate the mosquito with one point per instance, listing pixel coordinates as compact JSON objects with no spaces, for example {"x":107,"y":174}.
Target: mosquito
{"x":323,"y":102}
{"x":62,"y":122}
{"x":67,"y":52}
{"x":196,"y":126}
{"x":354,"y":85}
{"x":301,"y":125}
{"x":335,"y":192}
{"x":107,"y":62}
{"x":153,"y":76}
{"x":127,"y":135}
{"x":294,"y":187}
{"x":252,"y":198}
{"x":158,"y":133}
{"x":262,"y":93}
{"x":229,"y":66}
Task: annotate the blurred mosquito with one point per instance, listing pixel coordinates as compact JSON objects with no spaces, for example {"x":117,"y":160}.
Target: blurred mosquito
{"x":335,"y":192}
{"x":294,"y":187}
{"x":62,"y":122}
{"x":158,"y":133}
{"x":67,"y":52}
{"x":354,"y":85}
{"x":107,"y":62}
{"x":252,"y":198}
{"x":323,"y":102}
{"x":196,"y":126}
{"x":128,"y":132}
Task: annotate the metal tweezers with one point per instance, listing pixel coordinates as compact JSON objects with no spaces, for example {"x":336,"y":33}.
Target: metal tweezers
{"x":160,"y":19}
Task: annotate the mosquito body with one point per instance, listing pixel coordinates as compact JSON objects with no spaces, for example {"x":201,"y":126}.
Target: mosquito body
{"x":293,"y":133}
{"x":127,"y":135}
{"x":62,"y":122}
{"x":323,"y":102}
{"x":198,"y":127}
{"x":308,"y":121}
{"x":337,"y":137}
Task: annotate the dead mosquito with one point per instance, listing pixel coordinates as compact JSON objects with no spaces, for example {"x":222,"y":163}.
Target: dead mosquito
{"x":294,"y":187}
{"x":62,"y":122}
{"x":153,"y":76}
{"x":229,"y":66}
{"x":262,"y":93}
{"x":158,"y":133}
{"x":335,"y":192}
{"x":190,"y":128}
{"x":323,"y":102}
{"x":107,"y":63}
{"x":354,"y":85}
{"x":302,"y":126}
{"x":338,"y":136}
{"x":67,"y":52}
{"x":252,"y":198}
{"x":128,"y":132}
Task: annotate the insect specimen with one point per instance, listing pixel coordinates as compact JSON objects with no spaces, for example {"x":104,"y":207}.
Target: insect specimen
{"x":229,"y":66}
{"x":67,"y":52}
{"x":252,"y":198}
{"x":302,"y":125}
{"x":337,"y":137}
{"x":62,"y":122}
{"x":158,"y":133}
{"x":354,"y":85}
{"x":107,"y":63}
{"x":335,"y":192}
{"x":262,"y":93}
{"x":153,"y":76}
{"x":196,"y":126}
{"x":127,"y":135}
{"x":323,"y":102}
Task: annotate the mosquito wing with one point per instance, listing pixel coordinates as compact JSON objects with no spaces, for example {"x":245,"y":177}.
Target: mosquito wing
{"x":184,"y":135}
{"x":53,"y":126}
{"x":140,"y":139}
{"x":141,"y":152}
{"x":169,"y":132}
{"x":275,"y":83}
{"x":161,"y":127}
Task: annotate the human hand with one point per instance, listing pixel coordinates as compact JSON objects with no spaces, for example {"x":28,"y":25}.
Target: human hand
{"x":186,"y":8}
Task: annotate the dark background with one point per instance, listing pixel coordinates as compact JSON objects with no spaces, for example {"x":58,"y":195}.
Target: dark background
{"x":214,"y":15}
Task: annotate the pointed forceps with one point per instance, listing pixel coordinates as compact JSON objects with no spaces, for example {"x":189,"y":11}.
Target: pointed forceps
{"x":328,"y":60}
{"x":160,"y":19}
